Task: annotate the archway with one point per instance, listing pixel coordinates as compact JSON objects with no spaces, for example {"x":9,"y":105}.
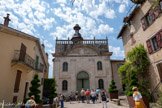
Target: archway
{"x":82,"y":81}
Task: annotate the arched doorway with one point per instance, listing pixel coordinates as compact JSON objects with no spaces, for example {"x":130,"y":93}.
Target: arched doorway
{"x":82,"y":81}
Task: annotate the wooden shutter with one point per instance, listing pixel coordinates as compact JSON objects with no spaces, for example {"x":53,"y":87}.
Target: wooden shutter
{"x":143,"y":23}
{"x":158,"y":39}
{"x":152,"y":16}
{"x":159,"y":66}
{"x":22,"y":52}
{"x":37,"y":62}
{"x":149,"y":46}
{"x":156,"y":12}
{"x":17,"y":81}
{"x":14,"y":99}
{"x":26,"y":89}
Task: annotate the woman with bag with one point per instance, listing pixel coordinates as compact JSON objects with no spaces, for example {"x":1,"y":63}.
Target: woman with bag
{"x":104,"y":99}
{"x":138,"y":99}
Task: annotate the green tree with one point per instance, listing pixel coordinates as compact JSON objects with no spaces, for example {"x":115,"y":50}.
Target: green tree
{"x":135,"y":71}
{"x":112,"y":88}
{"x":34,"y":89}
{"x":49,"y":89}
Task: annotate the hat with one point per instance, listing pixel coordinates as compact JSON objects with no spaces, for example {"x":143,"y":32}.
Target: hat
{"x":32,"y":96}
{"x":134,"y":88}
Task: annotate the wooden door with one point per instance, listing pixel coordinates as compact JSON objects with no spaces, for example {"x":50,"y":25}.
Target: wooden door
{"x":159,"y":66}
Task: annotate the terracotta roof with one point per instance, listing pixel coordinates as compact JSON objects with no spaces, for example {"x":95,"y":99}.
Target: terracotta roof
{"x":128,"y":18}
{"x":122,"y":30}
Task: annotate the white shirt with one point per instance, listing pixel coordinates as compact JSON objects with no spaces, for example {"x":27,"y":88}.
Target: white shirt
{"x":137,"y":97}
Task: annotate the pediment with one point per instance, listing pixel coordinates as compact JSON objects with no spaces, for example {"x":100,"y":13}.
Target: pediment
{"x":81,"y":51}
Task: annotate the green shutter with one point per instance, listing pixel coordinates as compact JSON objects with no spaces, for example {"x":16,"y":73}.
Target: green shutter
{"x":36,"y":62}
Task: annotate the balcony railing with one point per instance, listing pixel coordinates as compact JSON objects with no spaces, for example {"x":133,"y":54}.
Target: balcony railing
{"x":27,"y":60}
{"x":88,"y":41}
{"x":40,"y":67}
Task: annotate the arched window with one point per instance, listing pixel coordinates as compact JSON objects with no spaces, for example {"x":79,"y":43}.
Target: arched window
{"x":100,"y":84}
{"x":99,"y":65}
{"x":65,"y":66}
{"x":64,"y":85}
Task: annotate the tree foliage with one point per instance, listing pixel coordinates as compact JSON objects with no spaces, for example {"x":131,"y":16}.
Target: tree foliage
{"x":135,"y":71}
{"x":112,"y":88}
{"x":34,"y":89}
{"x":49,"y":88}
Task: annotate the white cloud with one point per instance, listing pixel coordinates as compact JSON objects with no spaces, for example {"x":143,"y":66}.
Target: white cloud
{"x":117,"y":52}
{"x":31,"y":12}
{"x":104,"y":29}
{"x":122,"y":8}
{"x":47,"y":44}
{"x":110,"y":14}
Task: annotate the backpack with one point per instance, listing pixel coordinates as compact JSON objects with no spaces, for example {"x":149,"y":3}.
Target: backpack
{"x":103,"y":97}
{"x":87,"y":93}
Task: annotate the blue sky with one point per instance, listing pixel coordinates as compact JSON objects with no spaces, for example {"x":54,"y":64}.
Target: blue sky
{"x":48,"y":19}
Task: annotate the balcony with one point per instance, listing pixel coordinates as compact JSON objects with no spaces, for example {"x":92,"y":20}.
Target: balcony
{"x":39,"y":67}
{"x":23,"y":58}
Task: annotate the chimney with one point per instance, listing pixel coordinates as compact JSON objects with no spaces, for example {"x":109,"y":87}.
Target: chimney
{"x":43,"y":46}
{"x":7,"y":19}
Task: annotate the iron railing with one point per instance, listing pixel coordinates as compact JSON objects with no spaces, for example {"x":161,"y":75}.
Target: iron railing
{"x":40,"y":67}
{"x":29,"y":61}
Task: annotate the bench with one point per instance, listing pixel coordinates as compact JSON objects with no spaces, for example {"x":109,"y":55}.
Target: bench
{"x":117,"y":101}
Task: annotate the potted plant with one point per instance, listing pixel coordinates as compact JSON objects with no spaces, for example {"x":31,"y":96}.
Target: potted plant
{"x":135,"y":73}
{"x":34,"y":90}
{"x":113,"y":92}
{"x":49,"y":89}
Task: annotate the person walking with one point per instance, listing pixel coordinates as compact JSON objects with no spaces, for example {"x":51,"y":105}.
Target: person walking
{"x":77,"y":96}
{"x":70,"y":96}
{"x":62,"y":100}
{"x":31,"y":103}
{"x":98,"y":91}
{"x":93,"y":95}
{"x":88,"y":95}
{"x":82,"y":94}
{"x":104,"y":99}
{"x":138,"y":98}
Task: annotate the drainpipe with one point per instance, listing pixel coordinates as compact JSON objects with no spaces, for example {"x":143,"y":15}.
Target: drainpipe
{"x":112,"y":71}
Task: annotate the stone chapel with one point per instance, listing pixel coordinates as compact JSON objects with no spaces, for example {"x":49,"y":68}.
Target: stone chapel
{"x":84,"y":63}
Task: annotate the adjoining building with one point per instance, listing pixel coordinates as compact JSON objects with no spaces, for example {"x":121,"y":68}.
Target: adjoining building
{"x":21,"y":57}
{"x":84,"y":63}
{"x":144,"y":26}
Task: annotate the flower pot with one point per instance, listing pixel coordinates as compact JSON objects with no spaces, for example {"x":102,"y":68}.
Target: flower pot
{"x":113,"y":95}
{"x":131,"y":101}
{"x":40,"y":105}
{"x":51,"y":101}
{"x":146,"y":101}
{"x":22,"y":106}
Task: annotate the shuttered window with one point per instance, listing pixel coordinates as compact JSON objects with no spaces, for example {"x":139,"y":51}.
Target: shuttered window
{"x":144,"y":24}
{"x":17,"y":81}
{"x":150,"y":17}
{"x":149,"y":46}
{"x":155,"y":44}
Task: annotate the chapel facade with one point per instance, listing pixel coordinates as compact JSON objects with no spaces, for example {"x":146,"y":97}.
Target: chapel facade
{"x":83,"y":63}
